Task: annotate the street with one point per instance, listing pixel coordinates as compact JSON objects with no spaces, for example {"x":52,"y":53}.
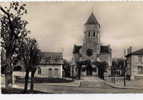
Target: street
{"x":48,"y":88}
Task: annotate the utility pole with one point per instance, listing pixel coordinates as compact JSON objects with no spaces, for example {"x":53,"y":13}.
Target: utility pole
{"x":124,"y":68}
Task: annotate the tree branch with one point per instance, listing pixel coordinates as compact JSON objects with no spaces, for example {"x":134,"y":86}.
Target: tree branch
{"x":4,"y":11}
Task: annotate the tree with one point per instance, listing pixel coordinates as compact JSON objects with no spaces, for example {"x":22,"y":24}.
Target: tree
{"x":102,"y":67}
{"x":12,"y":29}
{"x":66,"y":68}
{"x":30,"y":55}
{"x":118,"y":64}
{"x":79,"y":67}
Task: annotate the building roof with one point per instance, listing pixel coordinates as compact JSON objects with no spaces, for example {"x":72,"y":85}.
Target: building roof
{"x":51,"y":58}
{"x":105,"y":49}
{"x":137,"y":52}
{"x":60,"y":54}
{"x":92,"y":20}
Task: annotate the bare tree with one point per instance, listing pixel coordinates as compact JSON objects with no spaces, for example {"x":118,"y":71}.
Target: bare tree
{"x":12,"y":29}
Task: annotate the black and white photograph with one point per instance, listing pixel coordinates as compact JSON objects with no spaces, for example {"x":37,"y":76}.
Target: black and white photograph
{"x":71,"y":47}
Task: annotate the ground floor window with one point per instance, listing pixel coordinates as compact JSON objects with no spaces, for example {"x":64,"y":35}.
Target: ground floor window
{"x":140,"y":69}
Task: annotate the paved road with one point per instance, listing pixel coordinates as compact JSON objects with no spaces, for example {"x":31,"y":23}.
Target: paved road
{"x":73,"y":88}
{"x":44,"y":87}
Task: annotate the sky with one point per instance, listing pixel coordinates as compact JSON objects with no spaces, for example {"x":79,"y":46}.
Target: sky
{"x":57,"y":26}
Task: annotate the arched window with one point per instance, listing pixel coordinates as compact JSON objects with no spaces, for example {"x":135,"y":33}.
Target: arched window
{"x":88,"y":34}
{"x":94,"y":34}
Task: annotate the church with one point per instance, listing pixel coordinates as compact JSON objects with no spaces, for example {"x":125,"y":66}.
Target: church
{"x":92,"y":49}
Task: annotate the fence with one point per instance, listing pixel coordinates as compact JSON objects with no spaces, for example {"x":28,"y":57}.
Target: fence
{"x":118,"y":80}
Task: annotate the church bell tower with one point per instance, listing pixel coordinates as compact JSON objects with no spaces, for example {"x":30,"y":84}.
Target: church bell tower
{"x":91,"y":42}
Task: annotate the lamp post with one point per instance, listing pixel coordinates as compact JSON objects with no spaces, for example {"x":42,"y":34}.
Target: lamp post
{"x":124,"y":68}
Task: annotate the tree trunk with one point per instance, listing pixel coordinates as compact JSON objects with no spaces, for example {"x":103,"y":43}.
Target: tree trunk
{"x":8,"y":73}
{"x":99,"y":73}
{"x":26,"y":81}
{"x":32,"y":80}
{"x":90,"y":70}
{"x":8,"y":80}
{"x":102,"y":74}
{"x":79,"y":72}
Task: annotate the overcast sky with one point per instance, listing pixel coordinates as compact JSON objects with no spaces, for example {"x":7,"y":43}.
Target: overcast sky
{"x":58,"y":26}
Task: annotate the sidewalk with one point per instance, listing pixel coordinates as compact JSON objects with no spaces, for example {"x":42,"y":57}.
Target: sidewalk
{"x":134,"y":84}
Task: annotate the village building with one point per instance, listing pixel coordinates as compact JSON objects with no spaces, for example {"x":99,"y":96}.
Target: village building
{"x":51,"y":65}
{"x":92,"y":49}
{"x":135,"y":64}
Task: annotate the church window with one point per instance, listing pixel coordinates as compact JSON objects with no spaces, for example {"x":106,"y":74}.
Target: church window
{"x":94,"y":34}
{"x":88,"y":34}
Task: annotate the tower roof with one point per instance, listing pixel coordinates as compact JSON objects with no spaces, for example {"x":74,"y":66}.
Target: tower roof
{"x":92,"y":20}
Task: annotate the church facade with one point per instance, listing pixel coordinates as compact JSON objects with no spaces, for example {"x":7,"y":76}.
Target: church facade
{"x":92,"y":49}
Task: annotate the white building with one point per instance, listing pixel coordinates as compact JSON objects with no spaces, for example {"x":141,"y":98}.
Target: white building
{"x":135,"y":64}
{"x":51,"y":65}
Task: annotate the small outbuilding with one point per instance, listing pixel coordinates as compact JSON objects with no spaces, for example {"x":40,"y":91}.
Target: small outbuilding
{"x":51,"y":65}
